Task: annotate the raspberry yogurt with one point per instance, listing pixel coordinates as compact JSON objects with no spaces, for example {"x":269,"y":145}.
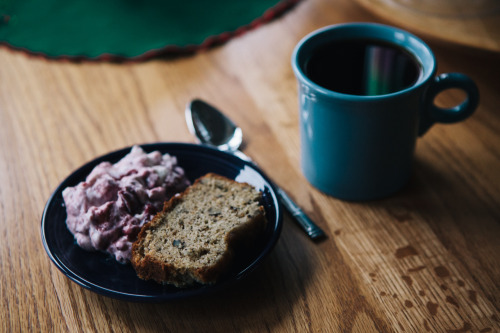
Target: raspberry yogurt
{"x":107,"y":210}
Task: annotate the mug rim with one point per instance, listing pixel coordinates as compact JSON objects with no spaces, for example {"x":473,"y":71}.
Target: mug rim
{"x":379,"y":32}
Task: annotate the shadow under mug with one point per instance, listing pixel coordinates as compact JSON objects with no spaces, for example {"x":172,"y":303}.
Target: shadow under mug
{"x":361,"y":146}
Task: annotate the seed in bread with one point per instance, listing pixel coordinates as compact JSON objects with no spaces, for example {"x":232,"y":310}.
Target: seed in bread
{"x":195,"y":237}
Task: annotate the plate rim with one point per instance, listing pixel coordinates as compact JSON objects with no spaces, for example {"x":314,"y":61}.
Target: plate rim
{"x":181,"y":293}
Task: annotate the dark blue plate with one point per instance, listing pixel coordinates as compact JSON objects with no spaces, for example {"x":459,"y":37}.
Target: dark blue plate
{"x":100,"y":273}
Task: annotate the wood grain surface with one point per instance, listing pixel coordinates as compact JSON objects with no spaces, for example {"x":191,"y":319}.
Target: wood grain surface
{"x":468,"y":23}
{"x":424,"y":260}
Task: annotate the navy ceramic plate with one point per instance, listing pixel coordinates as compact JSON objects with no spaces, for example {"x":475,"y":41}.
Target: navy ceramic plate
{"x":100,"y":273}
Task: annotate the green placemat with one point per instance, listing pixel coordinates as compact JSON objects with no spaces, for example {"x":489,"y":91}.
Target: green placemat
{"x":127,"y":29}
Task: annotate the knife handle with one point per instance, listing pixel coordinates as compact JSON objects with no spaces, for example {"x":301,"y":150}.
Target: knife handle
{"x":312,"y":230}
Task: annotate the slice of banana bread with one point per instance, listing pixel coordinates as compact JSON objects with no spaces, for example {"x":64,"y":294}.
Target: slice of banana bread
{"x":194,"y":239}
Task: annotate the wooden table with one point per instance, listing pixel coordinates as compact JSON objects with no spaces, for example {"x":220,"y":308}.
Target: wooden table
{"x":425,"y":260}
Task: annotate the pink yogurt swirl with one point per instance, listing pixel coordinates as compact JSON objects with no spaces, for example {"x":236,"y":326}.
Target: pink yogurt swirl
{"x":108,"y":209}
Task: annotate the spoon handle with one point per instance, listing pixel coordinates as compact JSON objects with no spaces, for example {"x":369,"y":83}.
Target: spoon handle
{"x":311,"y":229}
{"x":304,"y":221}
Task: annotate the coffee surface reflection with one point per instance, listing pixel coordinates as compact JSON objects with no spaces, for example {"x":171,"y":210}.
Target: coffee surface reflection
{"x":362,"y":67}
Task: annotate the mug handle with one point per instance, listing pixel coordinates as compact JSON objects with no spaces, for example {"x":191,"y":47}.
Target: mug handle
{"x":432,"y":114}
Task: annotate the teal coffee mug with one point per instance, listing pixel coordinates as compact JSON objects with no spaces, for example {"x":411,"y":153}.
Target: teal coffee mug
{"x":366,"y":93}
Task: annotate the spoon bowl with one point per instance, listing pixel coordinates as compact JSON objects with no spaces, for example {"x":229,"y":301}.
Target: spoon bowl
{"x":212,"y":128}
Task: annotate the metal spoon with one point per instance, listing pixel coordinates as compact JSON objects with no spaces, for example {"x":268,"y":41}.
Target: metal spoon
{"x":213,"y":128}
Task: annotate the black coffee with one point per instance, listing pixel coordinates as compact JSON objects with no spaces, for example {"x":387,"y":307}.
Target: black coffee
{"x":362,"y":67}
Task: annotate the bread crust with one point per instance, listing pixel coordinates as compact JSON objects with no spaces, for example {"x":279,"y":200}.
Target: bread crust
{"x":150,"y":267}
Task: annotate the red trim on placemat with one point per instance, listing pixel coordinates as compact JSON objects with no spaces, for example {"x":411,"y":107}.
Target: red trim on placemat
{"x":172,"y":50}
